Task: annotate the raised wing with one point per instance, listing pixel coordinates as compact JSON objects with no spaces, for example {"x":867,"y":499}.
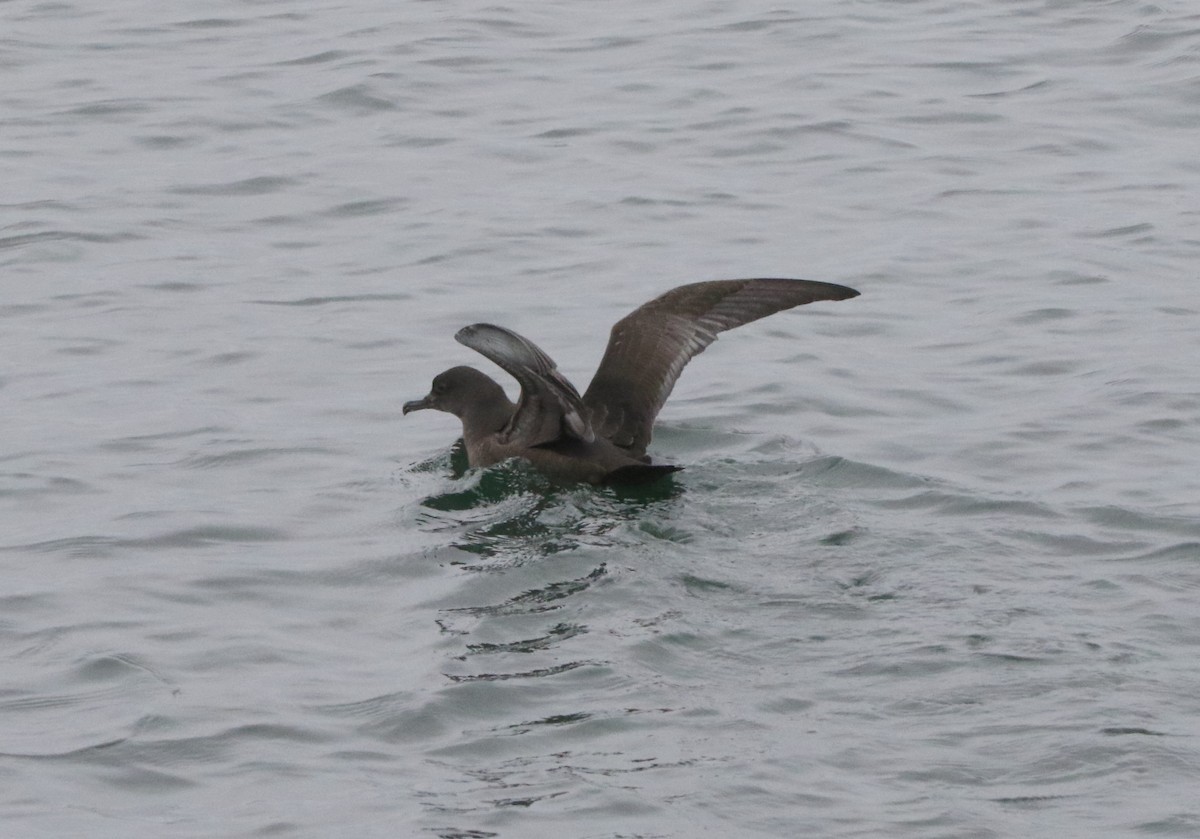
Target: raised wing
{"x":549,"y":406}
{"x":649,"y":348}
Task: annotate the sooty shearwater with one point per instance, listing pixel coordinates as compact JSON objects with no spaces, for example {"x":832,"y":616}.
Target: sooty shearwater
{"x":601,"y":437}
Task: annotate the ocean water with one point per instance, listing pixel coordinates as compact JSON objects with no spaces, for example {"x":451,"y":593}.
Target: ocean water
{"x":932,"y":568}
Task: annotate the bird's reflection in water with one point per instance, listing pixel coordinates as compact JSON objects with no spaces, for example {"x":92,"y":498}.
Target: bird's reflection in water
{"x":510,"y":514}
{"x":539,"y":553}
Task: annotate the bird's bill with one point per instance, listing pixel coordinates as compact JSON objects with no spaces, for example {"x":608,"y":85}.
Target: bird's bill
{"x":417,"y":405}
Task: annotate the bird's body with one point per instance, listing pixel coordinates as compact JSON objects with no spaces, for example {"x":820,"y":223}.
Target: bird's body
{"x":597,"y":462}
{"x":601,"y":437}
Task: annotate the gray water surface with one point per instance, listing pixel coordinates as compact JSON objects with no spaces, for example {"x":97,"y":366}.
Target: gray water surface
{"x":932,"y":567}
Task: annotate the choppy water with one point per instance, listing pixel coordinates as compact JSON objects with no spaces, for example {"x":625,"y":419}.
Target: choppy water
{"x":932,"y":568}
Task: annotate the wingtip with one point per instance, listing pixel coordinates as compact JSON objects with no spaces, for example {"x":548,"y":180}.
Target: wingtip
{"x":463,"y":335}
{"x":835,"y":291}
{"x":814,"y":290}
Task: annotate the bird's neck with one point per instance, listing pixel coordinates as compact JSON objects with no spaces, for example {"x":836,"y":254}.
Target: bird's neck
{"x":487,"y":416}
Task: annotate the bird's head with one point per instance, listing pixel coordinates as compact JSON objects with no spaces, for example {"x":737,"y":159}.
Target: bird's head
{"x":460,"y":391}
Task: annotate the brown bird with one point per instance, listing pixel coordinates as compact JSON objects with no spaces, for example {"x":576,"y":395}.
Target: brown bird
{"x":601,"y":437}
